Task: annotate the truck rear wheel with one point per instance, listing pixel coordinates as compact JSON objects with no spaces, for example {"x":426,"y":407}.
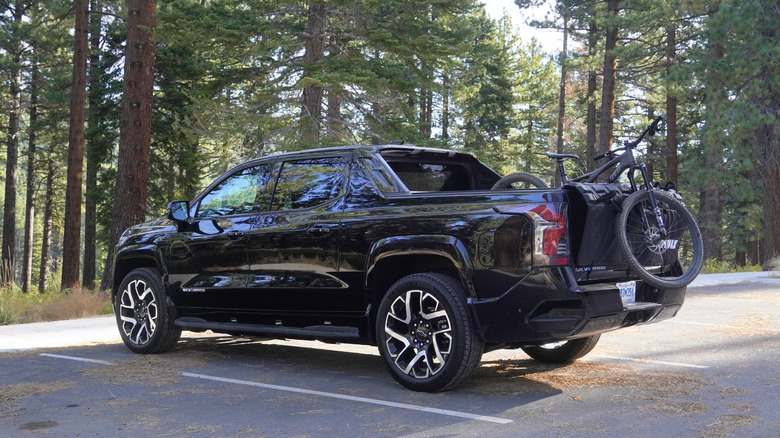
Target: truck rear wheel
{"x":562,"y":352}
{"x":425,"y":334}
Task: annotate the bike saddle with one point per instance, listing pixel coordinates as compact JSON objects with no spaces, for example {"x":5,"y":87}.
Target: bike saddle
{"x":561,"y":156}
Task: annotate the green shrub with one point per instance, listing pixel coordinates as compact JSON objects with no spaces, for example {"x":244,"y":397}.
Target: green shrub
{"x":713,"y":266}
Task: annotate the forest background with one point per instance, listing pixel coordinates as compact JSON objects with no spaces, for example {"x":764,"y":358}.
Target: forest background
{"x":239,"y":79}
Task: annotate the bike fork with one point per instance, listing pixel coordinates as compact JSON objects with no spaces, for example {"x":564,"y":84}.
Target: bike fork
{"x":653,"y":203}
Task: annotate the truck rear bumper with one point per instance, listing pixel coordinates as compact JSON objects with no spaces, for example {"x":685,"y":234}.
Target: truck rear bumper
{"x":547,"y":307}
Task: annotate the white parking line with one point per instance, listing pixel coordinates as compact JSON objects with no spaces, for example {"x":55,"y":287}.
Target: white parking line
{"x":312,"y":392}
{"x":658,"y":362}
{"x":741,"y":300}
{"x":79,"y":359}
{"x":729,"y":327}
{"x":353,"y":398}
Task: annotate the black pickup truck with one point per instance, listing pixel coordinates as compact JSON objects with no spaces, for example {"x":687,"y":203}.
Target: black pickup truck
{"x":401,"y":247}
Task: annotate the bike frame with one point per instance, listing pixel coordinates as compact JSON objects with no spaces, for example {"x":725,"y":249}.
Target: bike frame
{"x":625,"y":162}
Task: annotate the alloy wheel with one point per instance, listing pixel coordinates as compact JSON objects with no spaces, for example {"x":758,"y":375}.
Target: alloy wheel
{"x":138,"y":311}
{"x":419,"y":334}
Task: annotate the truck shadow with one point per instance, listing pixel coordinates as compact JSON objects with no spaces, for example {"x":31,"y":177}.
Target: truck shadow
{"x":493,"y":378}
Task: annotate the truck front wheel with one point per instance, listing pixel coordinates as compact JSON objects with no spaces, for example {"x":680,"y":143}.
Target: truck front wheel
{"x":142,"y":313}
{"x":425,"y":334}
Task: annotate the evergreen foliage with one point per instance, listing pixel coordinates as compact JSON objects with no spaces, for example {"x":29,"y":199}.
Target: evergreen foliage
{"x":231,"y":75}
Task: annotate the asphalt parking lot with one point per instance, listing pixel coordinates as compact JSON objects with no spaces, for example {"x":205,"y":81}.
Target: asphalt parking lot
{"x":711,"y":371}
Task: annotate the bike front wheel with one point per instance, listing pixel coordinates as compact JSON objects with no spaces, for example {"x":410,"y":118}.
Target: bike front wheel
{"x":666,"y":261}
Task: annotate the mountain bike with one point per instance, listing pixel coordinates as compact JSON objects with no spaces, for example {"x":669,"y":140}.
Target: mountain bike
{"x":658,"y":236}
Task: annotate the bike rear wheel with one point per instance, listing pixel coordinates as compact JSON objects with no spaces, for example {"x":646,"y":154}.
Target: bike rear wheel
{"x":520,"y":180}
{"x":667,"y":261}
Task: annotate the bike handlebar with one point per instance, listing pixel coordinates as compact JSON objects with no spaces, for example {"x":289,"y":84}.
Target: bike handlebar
{"x":651,"y":129}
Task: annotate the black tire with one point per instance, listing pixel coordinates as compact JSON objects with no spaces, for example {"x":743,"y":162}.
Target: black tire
{"x":562,"y":352}
{"x":666,"y":262}
{"x":142,"y":315}
{"x":425,"y":333}
{"x":519,"y":180}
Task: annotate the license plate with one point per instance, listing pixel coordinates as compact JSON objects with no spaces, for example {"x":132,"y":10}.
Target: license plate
{"x":627,"y":291}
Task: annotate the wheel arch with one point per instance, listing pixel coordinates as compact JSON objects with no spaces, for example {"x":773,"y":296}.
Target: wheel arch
{"x":393,"y":258}
{"x":124,"y":265}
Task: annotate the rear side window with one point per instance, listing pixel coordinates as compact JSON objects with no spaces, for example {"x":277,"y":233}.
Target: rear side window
{"x":305,"y":184}
{"x":433,"y":177}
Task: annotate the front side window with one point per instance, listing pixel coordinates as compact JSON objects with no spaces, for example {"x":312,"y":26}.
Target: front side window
{"x":308,"y":183}
{"x":240,"y":193}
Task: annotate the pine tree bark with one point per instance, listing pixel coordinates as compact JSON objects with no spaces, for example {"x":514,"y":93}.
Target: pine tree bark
{"x":7,"y":250}
{"x":426,"y":111}
{"x":562,"y":96}
{"x":769,"y":141}
{"x":445,"y":113}
{"x":671,"y":108}
{"x":71,"y":244}
{"x":771,"y":144}
{"x":335,"y":121}
{"x":90,"y":206}
{"x":29,"y":217}
{"x":314,"y":51}
{"x":590,"y":136}
{"x":712,"y":139}
{"x":43,"y":278}
{"x":608,"y":87}
{"x":135,"y":127}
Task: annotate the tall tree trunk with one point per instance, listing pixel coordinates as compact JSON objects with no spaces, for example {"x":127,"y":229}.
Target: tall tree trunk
{"x":132,"y":174}
{"x":335,"y":122}
{"x":671,"y":107}
{"x":90,"y":206}
{"x":755,"y":177}
{"x":590,"y":137}
{"x":426,"y":111}
{"x":72,"y":236}
{"x":335,"y":125}
{"x":712,"y":139}
{"x":562,"y":96}
{"x":445,"y":113}
{"x":29,"y":217}
{"x":312,"y":94}
{"x":651,"y":148}
{"x":43,"y":278}
{"x":7,"y":251}
{"x":608,"y":87}
{"x":769,"y":142}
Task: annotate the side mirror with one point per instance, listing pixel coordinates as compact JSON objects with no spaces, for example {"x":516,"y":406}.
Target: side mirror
{"x":178,"y":211}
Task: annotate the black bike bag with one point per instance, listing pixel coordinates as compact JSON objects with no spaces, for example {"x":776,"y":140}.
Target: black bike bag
{"x":593,"y":210}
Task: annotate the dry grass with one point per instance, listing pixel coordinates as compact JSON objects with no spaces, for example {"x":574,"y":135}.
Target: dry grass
{"x":12,"y":394}
{"x":18,"y":308}
{"x":749,"y":324}
{"x":149,"y":370}
{"x":511,"y":378}
{"x":725,"y":425}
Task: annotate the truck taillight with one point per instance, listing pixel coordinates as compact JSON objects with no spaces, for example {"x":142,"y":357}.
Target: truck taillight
{"x":550,"y":241}
{"x":550,"y":246}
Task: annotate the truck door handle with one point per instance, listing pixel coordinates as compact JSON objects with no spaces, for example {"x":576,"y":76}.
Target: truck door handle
{"x":319,"y":230}
{"x":234,"y":235}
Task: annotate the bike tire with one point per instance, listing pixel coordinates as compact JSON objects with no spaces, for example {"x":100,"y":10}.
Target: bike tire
{"x":666,"y":262}
{"x":525,"y":179}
